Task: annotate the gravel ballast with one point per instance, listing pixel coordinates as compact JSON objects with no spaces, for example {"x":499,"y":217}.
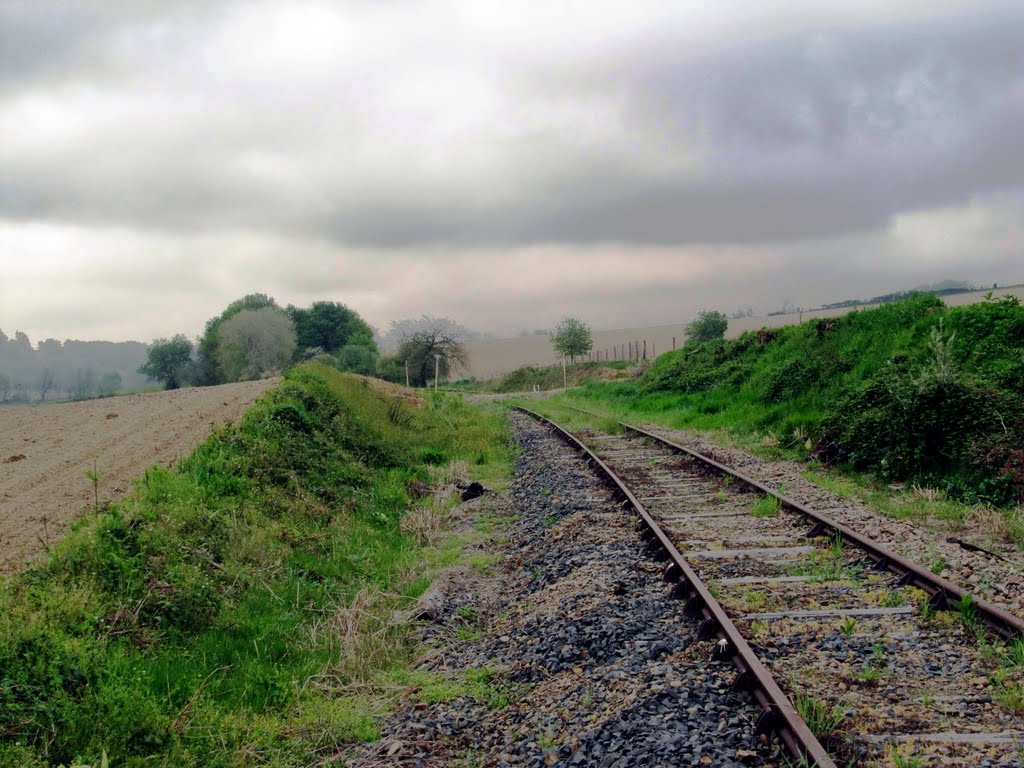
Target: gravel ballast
{"x":584,"y":659}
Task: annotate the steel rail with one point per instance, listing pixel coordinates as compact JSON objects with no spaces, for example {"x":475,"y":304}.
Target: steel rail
{"x":942,"y":593}
{"x":778,"y":716}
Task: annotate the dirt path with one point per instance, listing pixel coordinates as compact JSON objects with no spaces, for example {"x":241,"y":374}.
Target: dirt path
{"x":46,"y":450}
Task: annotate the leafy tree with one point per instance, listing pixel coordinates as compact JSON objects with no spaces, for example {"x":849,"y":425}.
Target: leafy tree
{"x":168,"y":361}
{"x":329,"y":326}
{"x":358,"y":358}
{"x":209,"y":343}
{"x":421,"y":339}
{"x":707,"y":326}
{"x":572,"y":338}
{"x":255,"y":342}
{"x":109,"y":384}
{"x":391,"y":368}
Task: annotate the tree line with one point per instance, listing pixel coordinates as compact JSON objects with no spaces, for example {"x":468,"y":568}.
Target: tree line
{"x":68,"y":369}
{"x":254,"y":337}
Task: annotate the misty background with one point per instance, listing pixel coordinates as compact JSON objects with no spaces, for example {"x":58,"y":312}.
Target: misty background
{"x":502,"y":165}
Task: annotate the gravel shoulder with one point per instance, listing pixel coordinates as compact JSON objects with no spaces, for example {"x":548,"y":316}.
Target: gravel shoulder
{"x":46,"y":450}
{"x":566,"y":651}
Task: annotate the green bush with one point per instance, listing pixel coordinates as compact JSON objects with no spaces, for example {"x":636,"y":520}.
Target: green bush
{"x":173,"y":627}
{"x":911,"y":390}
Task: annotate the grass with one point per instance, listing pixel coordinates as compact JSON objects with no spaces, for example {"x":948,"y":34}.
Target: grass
{"x":822,"y":718}
{"x":237,"y":608}
{"x":899,"y":760}
{"x":912,"y":393}
{"x":967,"y":612}
{"x":766,"y":506}
{"x":870,"y":675}
{"x":826,"y":564}
{"x":525,"y":378}
{"x":482,"y":684}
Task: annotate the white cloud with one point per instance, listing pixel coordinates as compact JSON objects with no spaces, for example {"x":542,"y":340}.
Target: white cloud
{"x":498,"y":162}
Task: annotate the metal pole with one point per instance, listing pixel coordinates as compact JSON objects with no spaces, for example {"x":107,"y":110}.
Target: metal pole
{"x":437,"y":370}
{"x":565,"y":375}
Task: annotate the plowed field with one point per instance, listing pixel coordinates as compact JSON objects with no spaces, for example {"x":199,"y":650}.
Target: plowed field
{"x":46,"y":451}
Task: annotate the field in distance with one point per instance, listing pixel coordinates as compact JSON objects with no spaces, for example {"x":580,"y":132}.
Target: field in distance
{"x":47,"y":450}
{"x":491,"y":358}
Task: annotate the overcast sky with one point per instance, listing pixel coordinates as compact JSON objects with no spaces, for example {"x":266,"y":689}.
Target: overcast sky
{"x":502,"y":163}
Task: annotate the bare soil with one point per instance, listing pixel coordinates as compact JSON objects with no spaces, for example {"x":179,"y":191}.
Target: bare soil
{"x":46,"y":451}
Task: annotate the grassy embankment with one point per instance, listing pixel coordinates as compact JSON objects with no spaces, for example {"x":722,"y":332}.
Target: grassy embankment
{"x":237,"y":609}
{"x":525,"y":378}
{"x":911,"y":392}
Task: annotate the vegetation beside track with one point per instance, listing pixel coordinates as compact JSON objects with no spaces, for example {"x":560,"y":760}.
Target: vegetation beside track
{"x":545,"y":378}
{"x":912,"y":392}
{"x":232,"y":609}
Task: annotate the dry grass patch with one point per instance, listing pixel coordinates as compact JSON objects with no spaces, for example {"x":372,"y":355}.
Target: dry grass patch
{"x":360,"y":638}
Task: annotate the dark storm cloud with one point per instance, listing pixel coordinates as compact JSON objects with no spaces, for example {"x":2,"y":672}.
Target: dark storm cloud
{"x":785,"y":137}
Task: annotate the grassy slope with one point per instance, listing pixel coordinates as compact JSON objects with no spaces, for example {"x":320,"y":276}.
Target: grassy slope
{"x":525,"y":378}
{"x":219,"y":616}
{"x":869,"y":390}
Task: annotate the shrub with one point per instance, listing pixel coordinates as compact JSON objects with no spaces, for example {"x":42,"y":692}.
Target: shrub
{"x":910,"y":390}
{"x":707,"y":326}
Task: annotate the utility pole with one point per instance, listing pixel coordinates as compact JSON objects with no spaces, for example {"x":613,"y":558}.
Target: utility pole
{"x":406,"y":373}
{"x":565,"y":375}
{"x":437,"y":370}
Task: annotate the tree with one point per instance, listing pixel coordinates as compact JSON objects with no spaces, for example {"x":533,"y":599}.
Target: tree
{"x":572,"y":338}
{"x":329,"y":326}
{"x":707,"y":326}
{"x":47,"y":381}
{"x":422,"y":339}
{"x":84,"y":383}
{"x":357,"y":358}
{"x":5,"y":386}
{"x":255,"y":342}
{"x":109,"y":384}
{"x":168,"y":360}
{"x":209,"y":343}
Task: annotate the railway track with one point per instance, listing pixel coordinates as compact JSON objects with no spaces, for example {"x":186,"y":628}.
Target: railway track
{"x":855,"y":655}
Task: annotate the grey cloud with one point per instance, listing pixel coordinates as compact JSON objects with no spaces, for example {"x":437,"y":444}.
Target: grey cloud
{"x":796,"y":137}
{"x":42,"y":42}
{"x":35,"y":45}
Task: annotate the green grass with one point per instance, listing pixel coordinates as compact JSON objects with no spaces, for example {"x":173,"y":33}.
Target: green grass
{"x":228,"y":612}
{"x":911,"y":391}
{"x":525,"y":378}
{"x":482,"y":684}
{"x":766,"y":506}
{"x":914,"y":409}
{"x":822,"y":718}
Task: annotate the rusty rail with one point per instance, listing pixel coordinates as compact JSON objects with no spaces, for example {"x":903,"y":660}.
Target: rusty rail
{"x":942,"y":593}
{"x":778,"y":716}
